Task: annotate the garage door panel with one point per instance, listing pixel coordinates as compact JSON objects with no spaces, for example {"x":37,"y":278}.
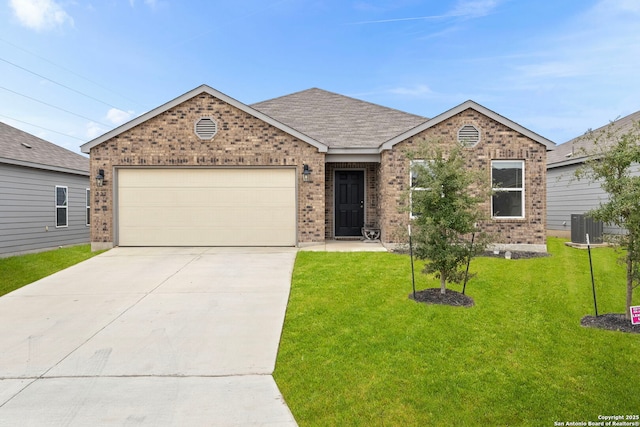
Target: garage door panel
{"x":206,"y":207}
{"x":176,"y":236}
{"x":222,"y":178}
{"x":232,"y":217}
{"x":202,"y":196}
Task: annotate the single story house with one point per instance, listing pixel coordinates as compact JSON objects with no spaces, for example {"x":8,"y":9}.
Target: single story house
{"x":44,"y":194}
{"x":567,"y":196}
{"x":207,"y":170}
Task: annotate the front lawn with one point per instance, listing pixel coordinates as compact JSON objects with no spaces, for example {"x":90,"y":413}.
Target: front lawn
{"x":21,"y":270}
{"x":356,"y":351}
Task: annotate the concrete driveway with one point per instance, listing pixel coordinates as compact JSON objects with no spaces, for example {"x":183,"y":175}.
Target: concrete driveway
{"x":148,"y":336}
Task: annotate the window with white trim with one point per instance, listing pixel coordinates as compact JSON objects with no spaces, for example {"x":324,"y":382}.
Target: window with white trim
{"x":415,"y":165}
{"x":88,"y":207}
{"x":507,"y":183}
{"x":62,"y":206}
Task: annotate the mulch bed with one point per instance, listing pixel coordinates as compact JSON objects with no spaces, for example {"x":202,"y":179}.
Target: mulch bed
{"x":433,"y":296}
{"x":611,"y":322}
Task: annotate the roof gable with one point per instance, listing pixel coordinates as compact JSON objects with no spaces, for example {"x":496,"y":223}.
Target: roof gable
{"x":192,"y":94}
{"x":460,"y":108}
{"x":339,"y":121}
{"x":22,"y":148}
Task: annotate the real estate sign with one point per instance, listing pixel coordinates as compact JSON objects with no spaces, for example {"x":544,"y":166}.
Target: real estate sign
{"x":635,"y":314}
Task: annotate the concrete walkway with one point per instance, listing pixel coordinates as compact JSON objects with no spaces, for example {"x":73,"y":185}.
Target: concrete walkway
{"x":345,"y":246}
{"x":148,"y":336}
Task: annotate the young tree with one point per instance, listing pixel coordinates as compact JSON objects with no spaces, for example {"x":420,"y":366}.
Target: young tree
{"x":445,"y":199}
{"x":614,"y":163}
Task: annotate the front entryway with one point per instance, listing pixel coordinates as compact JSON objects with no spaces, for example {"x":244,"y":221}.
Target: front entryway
{"x":349,"y":203}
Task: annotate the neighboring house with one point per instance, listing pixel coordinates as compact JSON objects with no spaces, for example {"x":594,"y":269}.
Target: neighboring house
{"x":44,"y":194}
{"x":565,"y":194}
{"x":206,"y":169}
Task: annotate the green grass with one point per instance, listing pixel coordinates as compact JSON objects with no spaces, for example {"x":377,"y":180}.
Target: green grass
{"x":17,"y":271}
{"x":356,"y":351}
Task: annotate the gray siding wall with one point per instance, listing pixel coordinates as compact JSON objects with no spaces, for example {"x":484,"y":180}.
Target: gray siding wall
{"x":566,"y":195}
{"x":28,"y":210}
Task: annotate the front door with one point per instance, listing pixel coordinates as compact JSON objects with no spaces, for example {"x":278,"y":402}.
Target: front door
{"x":349,"y":202}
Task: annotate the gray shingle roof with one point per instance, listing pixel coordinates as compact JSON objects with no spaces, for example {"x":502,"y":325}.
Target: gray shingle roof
{"x":571,"y":152}
{"x":21,"y":147}
{"x":338,"y":120}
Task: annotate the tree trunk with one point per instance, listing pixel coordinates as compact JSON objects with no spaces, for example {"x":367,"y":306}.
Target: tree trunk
{"x":443,"y":283}
{"x":627,"y":312}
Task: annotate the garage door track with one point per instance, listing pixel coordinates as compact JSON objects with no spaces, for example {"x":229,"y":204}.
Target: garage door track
{"x":148,"y":336}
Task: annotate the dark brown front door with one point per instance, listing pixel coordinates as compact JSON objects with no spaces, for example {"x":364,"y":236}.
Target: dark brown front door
{"x":349,"y":203}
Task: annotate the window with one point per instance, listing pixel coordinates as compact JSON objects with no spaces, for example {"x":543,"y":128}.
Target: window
{"x":88,"y":207}
{"x":62,"y":206}
{"x":507,"y":182}
{"x":415,"y":166}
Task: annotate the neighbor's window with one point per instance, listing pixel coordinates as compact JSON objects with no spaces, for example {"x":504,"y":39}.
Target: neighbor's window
{"x":62,"y":206}
{"x":415,"y":165}
{"x":507,"y":182}
{"x":88,"y":207}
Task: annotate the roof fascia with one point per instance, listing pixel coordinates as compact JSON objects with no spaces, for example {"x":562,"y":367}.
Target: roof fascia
{"x":43,"y":167}
{"x":567,"y":162}
{"x":85,"y":148}
{"x":352,"y":158}
{"x":354,"y":150}
{"x":460,"y":108}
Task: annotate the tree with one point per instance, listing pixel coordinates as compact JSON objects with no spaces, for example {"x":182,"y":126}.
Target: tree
{"x":613,"y":163}
{"x":445,"y":199}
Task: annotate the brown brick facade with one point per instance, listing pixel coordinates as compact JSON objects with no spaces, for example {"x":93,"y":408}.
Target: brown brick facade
{"x":168,"y":140}
{"x":497,"y":142}
{"x":248,"y":138}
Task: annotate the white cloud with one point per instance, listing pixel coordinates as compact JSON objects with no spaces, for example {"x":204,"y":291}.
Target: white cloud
{"x":463,"y":9}
{"x":418,"y":90}
{"x":117,"y":117}
{"x":151,"y":3}
{"x":474,"y":8}
{"x":40,"y":15}
{"x":93,"y":130}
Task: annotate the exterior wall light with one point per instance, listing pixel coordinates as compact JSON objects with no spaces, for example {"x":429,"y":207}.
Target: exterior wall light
{"x":306,"y":173}
{"x":100,"y":178}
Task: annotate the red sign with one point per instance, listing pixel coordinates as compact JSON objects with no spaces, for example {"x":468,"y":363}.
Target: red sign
{"x":635,"y":315}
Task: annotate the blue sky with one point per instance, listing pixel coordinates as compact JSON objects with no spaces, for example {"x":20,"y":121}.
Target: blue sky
{"x":78,"y":68}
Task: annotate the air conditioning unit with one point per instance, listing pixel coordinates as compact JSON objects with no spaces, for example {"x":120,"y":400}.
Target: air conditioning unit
{"x":581,"y":225}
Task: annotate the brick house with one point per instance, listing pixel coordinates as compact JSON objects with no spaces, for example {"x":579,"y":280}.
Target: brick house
{"x":207,"y":170}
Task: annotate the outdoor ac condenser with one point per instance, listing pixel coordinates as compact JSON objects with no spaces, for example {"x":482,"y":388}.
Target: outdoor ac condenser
{"x":581,"y":225}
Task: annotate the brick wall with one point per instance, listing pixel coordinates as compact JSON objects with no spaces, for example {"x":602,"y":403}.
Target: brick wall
{"x":242,"y":140}
{"x":497,"y":142}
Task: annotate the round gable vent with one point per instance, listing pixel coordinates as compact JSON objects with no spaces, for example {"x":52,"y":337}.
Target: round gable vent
{"x":206,"y":128}
{"x":468,"y":135}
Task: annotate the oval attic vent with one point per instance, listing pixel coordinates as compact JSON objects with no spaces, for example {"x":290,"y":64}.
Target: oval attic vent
{"x":206,"y":128}
{"x":468,"y":135}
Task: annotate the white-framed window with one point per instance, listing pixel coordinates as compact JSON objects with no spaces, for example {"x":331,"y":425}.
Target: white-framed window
{"x":507,"y":183}
{"x":62,"y":206}
{"x":88,"y":207}
{"x":415,"y":165}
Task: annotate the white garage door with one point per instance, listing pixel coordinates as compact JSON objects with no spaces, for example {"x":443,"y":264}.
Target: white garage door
{"x":206,"y":207}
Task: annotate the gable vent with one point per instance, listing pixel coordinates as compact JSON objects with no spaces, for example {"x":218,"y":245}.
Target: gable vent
{"x":206,"y":128}
{"x":468,"y":135}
